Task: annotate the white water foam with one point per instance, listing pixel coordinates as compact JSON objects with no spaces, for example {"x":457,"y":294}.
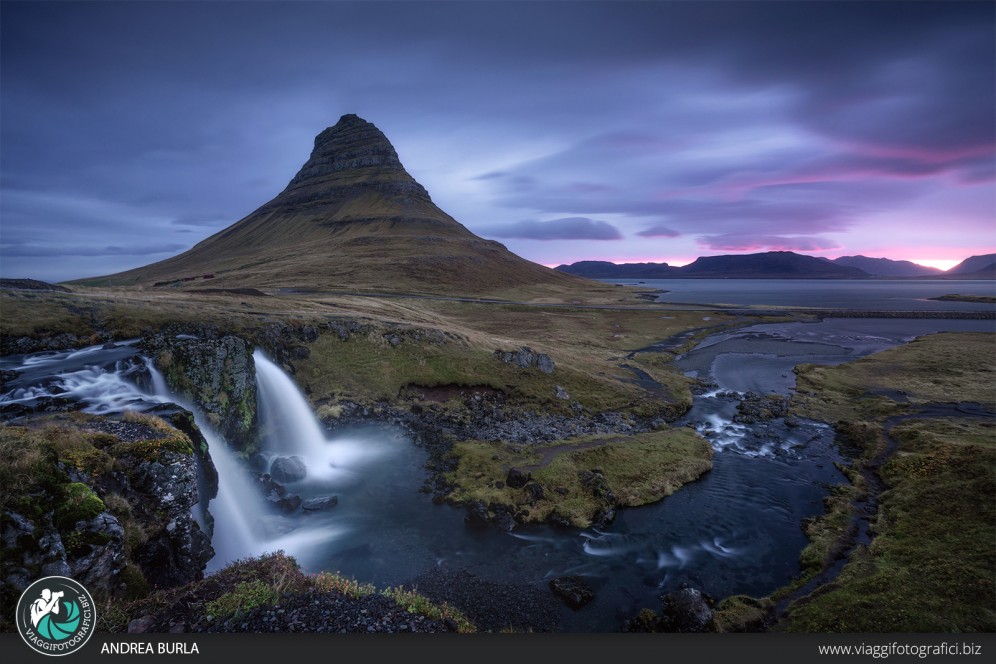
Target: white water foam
{"x":102,"y":391}
{"x":291,"y":428}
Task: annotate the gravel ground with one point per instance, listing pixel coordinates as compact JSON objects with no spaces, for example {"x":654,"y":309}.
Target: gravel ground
{"x":492,"y":606}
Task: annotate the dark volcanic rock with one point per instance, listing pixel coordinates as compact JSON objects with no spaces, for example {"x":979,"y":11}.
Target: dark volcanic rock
{"x":32,"y":284}
{"x":535,"y":491}
{"x":490,"y":605}
{"x":99,"y":566}
{"x":572,"y":589}
{"x":526,"y":358}
{"x":178,"y":551}
{"x":503,"y":517}
{"x":132,"y":524}
{"x":288,"y":469}
{"x":517,"y":479}
{"x":320,"y":503}
{"x":687,"y":610}
{"x":350,"y":149}
{"x":216,"y":373}
{"x":756,"y":407}
{"x":477,"y":515}
{"x":544,"y":363}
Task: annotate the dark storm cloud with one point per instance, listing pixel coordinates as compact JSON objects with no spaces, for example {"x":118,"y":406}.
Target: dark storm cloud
{"x":22,"y":251}
{"x":129,"y":121}
{"x":568,"y":228}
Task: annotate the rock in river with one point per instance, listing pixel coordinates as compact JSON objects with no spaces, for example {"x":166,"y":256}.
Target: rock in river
{"x":288,"y":469}
{"x":572,"y":589}
{"x":320,"y":503}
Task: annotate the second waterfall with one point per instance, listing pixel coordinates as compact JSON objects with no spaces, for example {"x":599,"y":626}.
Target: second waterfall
{"x":307,"y":469}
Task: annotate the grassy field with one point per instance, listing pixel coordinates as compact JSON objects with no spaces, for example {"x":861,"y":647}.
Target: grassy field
{"x":931,"y":563}
{"x":588,"y":346}
{"x":582,"y":477}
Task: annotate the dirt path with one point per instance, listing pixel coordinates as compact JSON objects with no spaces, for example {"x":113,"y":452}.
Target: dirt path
{"x":550,"y":453}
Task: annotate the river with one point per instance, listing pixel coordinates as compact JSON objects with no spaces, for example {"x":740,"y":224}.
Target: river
{"x":738,"y":529}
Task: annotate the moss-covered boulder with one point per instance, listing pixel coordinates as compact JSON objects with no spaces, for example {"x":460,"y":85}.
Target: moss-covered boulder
{"x":109,"y":501}
{"x":215,"y":374}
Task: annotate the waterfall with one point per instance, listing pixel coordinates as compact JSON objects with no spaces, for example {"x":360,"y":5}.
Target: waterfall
{"x":235,"y":509}
{"x":238,"y":502}
{"x":246,"y":521}
{"x":290,"y":428}
{"x":285,"y":413}
{"x":158,"y":382}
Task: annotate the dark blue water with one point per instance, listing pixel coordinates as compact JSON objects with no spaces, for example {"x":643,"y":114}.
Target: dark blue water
{"x":864,"y":294}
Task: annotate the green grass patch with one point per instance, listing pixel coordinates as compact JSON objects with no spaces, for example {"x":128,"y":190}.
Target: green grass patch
{"x":369,"y":369}
{"x":330,"y":582}
{"x":740,"y":613}
{"x":939,"y":368}
{"x":828,"y":533}
{"x":263,"y":581}
{"x":581,"y":476}
{"x":954,"y":297}
{"x":423,"y":606}
{"x":79,"y":503}
{"x":246,"y":596}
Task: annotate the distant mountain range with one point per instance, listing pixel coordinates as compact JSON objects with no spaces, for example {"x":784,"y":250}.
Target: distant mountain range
{"x":783,"y":265}
{"x":979,"y":267}
{"x":885,"y":267}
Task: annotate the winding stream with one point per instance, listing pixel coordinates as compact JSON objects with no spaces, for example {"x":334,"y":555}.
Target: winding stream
{"x":736,"y":530}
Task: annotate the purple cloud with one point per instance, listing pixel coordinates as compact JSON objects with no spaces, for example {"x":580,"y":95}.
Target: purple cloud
{"x":568,"y":228}
{"x":658,"y":231}
{"x":749,"y":242}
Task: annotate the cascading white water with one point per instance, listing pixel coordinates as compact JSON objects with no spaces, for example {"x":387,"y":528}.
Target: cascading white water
{"x":102,"y":391}
{"x":235,"y":509}
{"x":237,"y":502}
{"x":290,"y":427}
{"x":158,"y":382}
{"x":286,"y":414}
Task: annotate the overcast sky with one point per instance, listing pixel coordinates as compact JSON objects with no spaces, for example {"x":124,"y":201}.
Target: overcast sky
{"x":646,"y":131}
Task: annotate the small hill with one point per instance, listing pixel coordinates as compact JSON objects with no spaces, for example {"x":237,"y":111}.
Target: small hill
{"x":607,"y":270}
{"x":352,"y":218}
{"x":885,"y":267}
{"x":31,"y":284}
{"x":984,"y":265}
{"x":768,"y":265}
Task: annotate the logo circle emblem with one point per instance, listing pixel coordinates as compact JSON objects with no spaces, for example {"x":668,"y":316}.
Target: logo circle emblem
{"x":56,"y":616}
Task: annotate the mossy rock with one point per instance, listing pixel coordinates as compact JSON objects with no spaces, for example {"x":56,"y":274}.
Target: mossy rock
{"x":80,"y":504}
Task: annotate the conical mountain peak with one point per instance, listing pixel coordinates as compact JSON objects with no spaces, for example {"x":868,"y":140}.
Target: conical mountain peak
{"x":352,"y":218}
{"x":351,"y":152}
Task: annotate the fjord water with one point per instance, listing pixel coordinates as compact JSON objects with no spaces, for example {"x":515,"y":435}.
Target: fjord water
{"x":736,"y":530}
{"x":859,"y":294}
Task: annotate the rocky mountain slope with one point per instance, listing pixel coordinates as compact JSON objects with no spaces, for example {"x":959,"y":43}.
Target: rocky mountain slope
{"x":351,"y":219}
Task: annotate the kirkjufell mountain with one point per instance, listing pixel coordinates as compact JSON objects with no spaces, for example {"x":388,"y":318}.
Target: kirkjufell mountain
{"x":352,"y":218}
